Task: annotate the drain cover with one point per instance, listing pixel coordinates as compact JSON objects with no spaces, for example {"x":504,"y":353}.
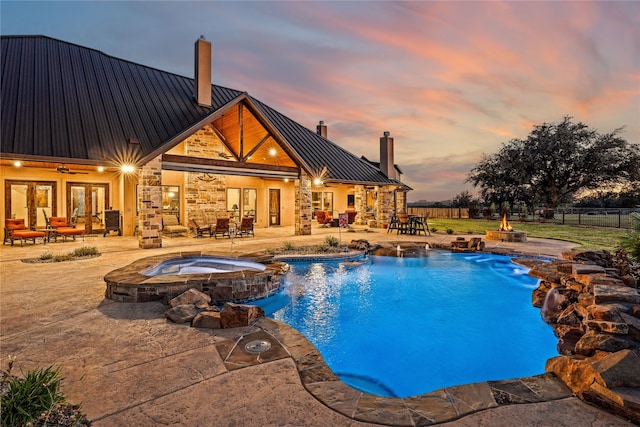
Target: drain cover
{"x":257,"y":346}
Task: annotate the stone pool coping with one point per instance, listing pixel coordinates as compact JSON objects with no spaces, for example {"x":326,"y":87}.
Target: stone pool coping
{"x":128,"y":284}
{"x":442,"y":405}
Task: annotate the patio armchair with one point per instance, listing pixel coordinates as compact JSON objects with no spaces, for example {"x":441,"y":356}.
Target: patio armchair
{"x":351,"y":216}
{"x":404,"y":225}
{"x":245,"y":227}
{"x":221,"y":228}
{"x":63,"y":229}
{"x":171,"y":224}
{"x":14,"y":229}
{"x":324,"y":219}
{"x":198,"y":229}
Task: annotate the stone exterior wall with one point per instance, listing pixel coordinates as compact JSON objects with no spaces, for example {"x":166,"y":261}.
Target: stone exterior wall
{"x":204,"y":200}
{"x":150,"y":204}
{"x":303,"y":205}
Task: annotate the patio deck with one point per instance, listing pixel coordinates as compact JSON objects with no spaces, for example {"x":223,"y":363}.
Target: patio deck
{"x":128,"y":365}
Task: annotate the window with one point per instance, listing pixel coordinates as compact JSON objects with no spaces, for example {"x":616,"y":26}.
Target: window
{"x":249,"y":201}
{"x":171,"y":199}
{"x":322,"y":201}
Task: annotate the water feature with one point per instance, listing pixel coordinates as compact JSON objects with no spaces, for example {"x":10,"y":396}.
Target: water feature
{"x":201,"y":264}
{"x":406,"y":326}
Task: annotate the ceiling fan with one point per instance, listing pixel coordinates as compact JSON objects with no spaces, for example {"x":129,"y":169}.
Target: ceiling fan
{"x":63,"y":169}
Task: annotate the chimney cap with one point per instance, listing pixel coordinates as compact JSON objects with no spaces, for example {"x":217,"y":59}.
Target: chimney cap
{"x":202,"y":37}
{"x":387,"y":133}
{"x":321,"y":122}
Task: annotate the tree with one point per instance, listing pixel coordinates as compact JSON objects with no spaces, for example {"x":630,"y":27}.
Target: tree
{"x":462,"y":200}
{"x":554,"y":162}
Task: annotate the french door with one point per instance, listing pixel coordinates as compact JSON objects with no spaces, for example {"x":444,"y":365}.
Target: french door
{"x":86,"y":203}
{"x":31,"y":201}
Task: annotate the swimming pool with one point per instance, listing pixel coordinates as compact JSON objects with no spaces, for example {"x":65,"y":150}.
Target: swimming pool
{"x":400,"y":327}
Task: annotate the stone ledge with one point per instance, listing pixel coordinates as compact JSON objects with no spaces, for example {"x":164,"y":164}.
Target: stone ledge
{"x":594,"y":312}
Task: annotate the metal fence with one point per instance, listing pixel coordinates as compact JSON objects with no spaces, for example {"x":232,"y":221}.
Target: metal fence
{"x":618,"y":218}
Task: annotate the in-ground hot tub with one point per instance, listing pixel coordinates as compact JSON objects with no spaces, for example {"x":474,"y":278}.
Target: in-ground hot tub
{"x":224,"y":279}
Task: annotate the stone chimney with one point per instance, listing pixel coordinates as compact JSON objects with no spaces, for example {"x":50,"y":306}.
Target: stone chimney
{"x":202,"y":78}
{"x":321,"y":129}
{"x":386,"y":156}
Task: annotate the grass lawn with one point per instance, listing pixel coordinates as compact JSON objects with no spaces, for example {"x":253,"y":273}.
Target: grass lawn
{"x":586,"y":237}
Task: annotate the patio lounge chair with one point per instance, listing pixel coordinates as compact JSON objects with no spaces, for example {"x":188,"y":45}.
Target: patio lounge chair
{"x":59,"y":224}
{"x":221,"y":228}
{"x":245,"y":227}
{"x":324,"y":219}
{"x":171,"y":224}
{"x":198,"y":229}
{"x":14,"y":229}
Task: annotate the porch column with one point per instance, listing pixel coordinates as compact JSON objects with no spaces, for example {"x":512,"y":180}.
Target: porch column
{"x":303,"y":205}
{"x":385,"y":205}
{"x":150,"y":204}
{"x":360,"y":204}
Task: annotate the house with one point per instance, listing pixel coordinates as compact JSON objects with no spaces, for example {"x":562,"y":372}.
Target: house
{"x":85,"y":134}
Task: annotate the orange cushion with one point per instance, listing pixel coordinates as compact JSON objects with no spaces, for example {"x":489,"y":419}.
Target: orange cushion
{"x":14,"y":224}
{"x":57,"y":221}
{"x":27,"y":234}
{"x":69,"y":231}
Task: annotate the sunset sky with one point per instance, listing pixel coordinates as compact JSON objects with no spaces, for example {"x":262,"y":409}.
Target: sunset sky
{"x":450,"y":80}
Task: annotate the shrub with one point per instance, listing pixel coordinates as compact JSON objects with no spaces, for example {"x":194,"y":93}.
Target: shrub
{"x":288,"y":246}
{"x":45,"y":256}
{"x":28,"y":397}
{"x":449,"y":230}
{"x":63,"y":257}
{"x":631,"y":242}
{"x":331,"y":241}
{"x":324,"y":247}
{"x":433,"y":229}
{"x":85,"y":251}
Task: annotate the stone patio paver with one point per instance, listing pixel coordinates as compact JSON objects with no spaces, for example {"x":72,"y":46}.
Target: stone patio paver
{"x":128,"y":365}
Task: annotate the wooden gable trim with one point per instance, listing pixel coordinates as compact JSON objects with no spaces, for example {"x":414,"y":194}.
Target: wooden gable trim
{"x":199,"y":164}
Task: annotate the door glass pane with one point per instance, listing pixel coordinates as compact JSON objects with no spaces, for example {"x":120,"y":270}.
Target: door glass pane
{"x":249,"y":201}
{"x":19,"y":208}
{"x":44,"y":204}
{"x":233,"y":203}
{"x":97,"y":206}
{"x":316,"y":203}
{"x":327,"y":202}
{"x":78,"y":208}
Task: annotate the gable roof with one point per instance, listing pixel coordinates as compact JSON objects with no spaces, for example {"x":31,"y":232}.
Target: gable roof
{"x":64,"y":102}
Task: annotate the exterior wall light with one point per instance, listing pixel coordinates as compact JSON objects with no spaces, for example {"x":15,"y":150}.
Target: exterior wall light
{"x":128,"y":168}
{"x":272,"y":152}
{"x":317,"y":182}
{"x":17,"y":163}
{"x":100,"y":169}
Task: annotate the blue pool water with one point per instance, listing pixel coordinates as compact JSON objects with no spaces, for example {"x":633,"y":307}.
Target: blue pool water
{"x":407,"y":326}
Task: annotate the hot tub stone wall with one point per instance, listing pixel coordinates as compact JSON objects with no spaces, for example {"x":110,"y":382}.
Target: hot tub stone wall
{"x":127,"y":284}
{"x":595,"y":313}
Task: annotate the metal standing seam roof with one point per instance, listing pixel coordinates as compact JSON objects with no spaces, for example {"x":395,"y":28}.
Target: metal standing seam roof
{"x":64,"y":101}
